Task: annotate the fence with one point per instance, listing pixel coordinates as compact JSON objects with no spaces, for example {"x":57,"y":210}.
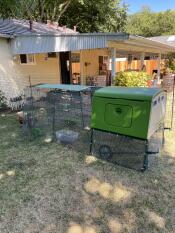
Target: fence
{"x":169,"y":85}
{"x":54,"y":112}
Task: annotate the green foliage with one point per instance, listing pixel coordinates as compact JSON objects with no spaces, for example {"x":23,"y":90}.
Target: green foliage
{"x":95,"y":16}
{"x":170,"y":64}
{"x":132,"y":79}
{"x":2,"y":101}
{"x":88,"y":16}
{"x":36,"y":132}
{"x":147,"y":23}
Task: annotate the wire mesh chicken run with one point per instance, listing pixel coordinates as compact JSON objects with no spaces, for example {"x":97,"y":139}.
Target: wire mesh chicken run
{"x":126,"y":151}
{"x":61,"y":113}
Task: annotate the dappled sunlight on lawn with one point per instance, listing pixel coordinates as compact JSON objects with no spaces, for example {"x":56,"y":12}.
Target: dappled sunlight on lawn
{"x":114,"y":193}
{"x":114,"y":225}
{"x":3,"y":126}
{"x":77,"y":228}
{"x":1,"y":176}
{"x":8,"y":173}
{"x":169,"y":146}
{"x":89,"y":159}
{"x":13,"y":135}
{"x":48,"y":188}
{"x":129,"y":220}
{"x":49,"y":228}
{"x":3,"y":115}
{"x":11,"y":173}
{"x":155,"y":219}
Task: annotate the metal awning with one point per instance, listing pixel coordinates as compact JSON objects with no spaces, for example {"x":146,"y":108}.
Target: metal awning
{"x":71,"y":42}
{"x":141,"y":44}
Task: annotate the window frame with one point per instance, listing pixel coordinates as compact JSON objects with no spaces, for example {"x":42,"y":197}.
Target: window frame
{"x":27,"y":59}
{"x":52,"y":55}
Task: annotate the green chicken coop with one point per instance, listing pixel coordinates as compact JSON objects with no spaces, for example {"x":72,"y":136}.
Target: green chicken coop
{"x":127,"y":114}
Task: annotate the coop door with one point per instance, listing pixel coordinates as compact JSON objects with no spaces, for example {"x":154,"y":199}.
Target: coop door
{"x":118,"y":115}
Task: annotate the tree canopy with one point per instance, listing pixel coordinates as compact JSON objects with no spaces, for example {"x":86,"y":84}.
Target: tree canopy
{"x":147,"y":23}
{"x":87,"y":15}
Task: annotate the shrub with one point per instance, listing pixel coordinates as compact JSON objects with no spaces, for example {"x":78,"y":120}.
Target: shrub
{"x":170,"y":64}
{"x":132,"y":79}
{"x":2,"y":101}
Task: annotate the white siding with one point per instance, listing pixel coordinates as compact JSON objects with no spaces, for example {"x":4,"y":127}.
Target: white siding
{"x":11,"y":81}
{"x":14,"y":77}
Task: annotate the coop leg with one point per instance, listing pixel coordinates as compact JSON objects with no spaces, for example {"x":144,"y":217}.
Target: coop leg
{"x":163,"y":135}
{"x":91,"y":141}
{"x":53,"y":121}
{"x":82,"y":115}
{"x":145,"y":162}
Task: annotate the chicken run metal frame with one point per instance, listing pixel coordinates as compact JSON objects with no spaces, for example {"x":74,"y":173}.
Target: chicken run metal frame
{"x":49,"y":109}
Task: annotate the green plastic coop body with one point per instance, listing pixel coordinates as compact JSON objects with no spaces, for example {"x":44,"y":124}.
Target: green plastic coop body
{"x":135,"y":112}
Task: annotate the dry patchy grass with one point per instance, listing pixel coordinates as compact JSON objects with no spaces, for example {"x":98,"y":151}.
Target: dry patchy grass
{"x":47,"y":188}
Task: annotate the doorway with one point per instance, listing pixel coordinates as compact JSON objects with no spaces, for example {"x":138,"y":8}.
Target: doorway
{"x":65,"y":65}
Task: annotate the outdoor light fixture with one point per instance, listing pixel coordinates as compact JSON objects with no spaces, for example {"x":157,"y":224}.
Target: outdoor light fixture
{"x":87,"y":63}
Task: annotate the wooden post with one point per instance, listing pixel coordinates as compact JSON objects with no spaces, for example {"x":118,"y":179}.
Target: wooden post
{"x":113,"y":64}
{"x":70,"y":66}
{"x":81,"y":68}
{"x":142,"y":59}
{"x":158,"y":68}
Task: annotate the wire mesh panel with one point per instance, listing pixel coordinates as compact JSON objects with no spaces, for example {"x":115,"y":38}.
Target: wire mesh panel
{"x":48,"y":111}
{"x":38,"y":114}
{"x":169,"y":85}
{"x":126,"y":151}
{"x":170,"y":111}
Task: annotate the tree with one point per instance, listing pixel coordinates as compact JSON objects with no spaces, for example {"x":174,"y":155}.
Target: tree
{"x":147,"y":23}
{"x":95,"y":16}
{"x":87,"y":15}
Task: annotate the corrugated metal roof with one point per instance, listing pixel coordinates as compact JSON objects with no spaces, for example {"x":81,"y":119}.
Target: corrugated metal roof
{"x":45,"y":38}
{"x":170,"y":40}
{"x":14,"y":27}
{"x":44,"y":44}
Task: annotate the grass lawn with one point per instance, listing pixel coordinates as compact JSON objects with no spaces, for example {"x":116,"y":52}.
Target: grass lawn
{"x":47,"y":188}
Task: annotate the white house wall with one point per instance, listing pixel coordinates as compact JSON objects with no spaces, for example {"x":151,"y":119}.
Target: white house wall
{"x":11,"y":80}
{"x":14,"y":77}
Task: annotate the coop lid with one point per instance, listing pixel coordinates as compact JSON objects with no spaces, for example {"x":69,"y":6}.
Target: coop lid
{"x":66,"y":87}
{"x":134,"y":93}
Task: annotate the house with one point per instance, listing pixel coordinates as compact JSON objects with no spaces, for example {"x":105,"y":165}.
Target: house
{"x":15,"y":69}
{"x":32,"y":53}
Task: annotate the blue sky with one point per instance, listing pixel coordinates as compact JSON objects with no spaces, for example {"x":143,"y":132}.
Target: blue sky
{"x":156,"y":5}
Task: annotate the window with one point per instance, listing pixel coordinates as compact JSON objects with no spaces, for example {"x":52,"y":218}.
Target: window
{"x":52,"y":55}
{"x":27,"y":59}
{"x":103,"y":64}
{"x":75,"y":57}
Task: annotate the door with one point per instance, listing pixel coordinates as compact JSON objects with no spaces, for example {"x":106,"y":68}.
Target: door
{"x":118,"y":115}
{"x":65,"y":65}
